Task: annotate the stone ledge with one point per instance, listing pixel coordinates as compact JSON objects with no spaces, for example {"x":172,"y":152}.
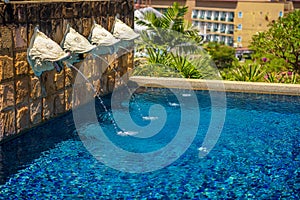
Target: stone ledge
{"x":218,"y":85}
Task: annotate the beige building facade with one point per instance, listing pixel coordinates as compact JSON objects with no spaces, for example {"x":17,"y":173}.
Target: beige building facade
{"x":232,"y":22}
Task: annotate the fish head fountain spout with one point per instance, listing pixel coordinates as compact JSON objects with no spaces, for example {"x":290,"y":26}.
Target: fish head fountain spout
{"x":44,"y":54}
{"x":125,"y":33}
{"x":106,"y":43}
{"x":76,"y":44}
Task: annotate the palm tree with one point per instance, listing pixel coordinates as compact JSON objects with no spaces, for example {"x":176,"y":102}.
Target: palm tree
{"x":169,"y":38}
{"x":173,"y":21}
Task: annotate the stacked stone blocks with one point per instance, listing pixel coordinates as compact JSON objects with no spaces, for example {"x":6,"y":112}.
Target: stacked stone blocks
{"x":26,"y":100}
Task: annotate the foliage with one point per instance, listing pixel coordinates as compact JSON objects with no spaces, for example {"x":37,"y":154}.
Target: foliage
{"x":255,"y":72}
{"x":248,"y":71}
{"x":144,"y":68}
{"x":173,"y":64}
{"x":173,"y":19}
{"x":281,"y":41}
{"x":168,"y":43}
{"x":184,"y":66}
{"x":282,"y":77}
{"x":222,"y":55}
{"x":273,"y":64}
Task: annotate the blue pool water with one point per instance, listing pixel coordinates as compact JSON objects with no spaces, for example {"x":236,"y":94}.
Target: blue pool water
{"x":256,"y":156}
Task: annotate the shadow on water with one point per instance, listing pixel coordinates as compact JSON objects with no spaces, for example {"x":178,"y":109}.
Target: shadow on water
{"x":19,"y":152}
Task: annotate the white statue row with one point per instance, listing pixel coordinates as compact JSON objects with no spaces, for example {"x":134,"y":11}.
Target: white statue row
{"x":44,"y":54}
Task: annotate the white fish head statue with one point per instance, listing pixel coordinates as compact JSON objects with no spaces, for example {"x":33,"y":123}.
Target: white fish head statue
{"x":75,"y":42}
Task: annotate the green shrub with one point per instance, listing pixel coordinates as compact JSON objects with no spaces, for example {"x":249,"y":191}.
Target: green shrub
{"x":282,"y":77}
{"x":248,"y":71}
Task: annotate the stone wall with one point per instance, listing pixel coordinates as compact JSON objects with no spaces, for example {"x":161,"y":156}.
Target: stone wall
{"x":22,"y":102}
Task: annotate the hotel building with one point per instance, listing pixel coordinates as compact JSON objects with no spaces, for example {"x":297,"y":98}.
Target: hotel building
{"x":232,"y":22}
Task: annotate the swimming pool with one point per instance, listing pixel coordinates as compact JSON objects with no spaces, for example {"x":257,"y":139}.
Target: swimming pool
{"x":256,"y":156}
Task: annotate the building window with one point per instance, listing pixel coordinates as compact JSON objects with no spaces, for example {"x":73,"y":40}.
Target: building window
{"x":202,"y":14}
{"x":216,"y":27}
{"x":223,"y":16}
{"x":216,"y":15}
{"x":239,"y":27}
{"x":230,"y":41}
{"x":223,"y":28}
{"x":223,"y":38}
{"x":280,"y":14}
{"x":231,"y":29}
{"x":231,"y":16}
{"x":239,"y":39}
{"x":209,"y":25}
{"x":208,"y":38}
{"x":195,"y":23}
{"x":216,"y":38}
{"x":194,"y":14}
{"x":240,"y":14}
{"x":208,"y":15}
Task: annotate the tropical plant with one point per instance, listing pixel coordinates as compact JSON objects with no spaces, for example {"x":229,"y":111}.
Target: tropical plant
{"x":151,"y":66}
{"x":184,"y":66}
{"x":168,"y":43}
{"x":282,"y":77}
{"x":248,"y":71}
{"x":222,"y":55}
{"x":172,"y":19}
{"x":272,"y":77}
{"x":205,"y":65}
{"x":281,"y":41}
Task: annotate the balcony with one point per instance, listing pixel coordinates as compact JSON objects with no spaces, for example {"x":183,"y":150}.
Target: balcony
{"x":229,"y":32}
{"x":230,"y":19}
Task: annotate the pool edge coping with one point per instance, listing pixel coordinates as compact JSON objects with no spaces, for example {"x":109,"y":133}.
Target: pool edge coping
{"x":218,"y":85}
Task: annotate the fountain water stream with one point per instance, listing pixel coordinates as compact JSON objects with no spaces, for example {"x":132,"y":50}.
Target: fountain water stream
{"x":122,"y":81}
{"x":98,"y":96}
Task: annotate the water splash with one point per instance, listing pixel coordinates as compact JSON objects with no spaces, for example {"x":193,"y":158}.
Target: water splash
{"x":186,"y":95}
{"x":150,"y":118}
{"x":173,"y":104}
{"x":127,"y":133}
